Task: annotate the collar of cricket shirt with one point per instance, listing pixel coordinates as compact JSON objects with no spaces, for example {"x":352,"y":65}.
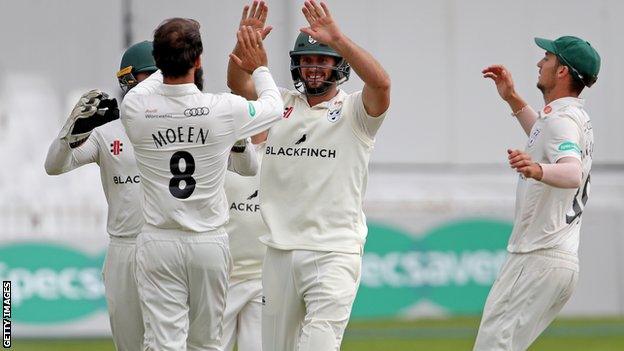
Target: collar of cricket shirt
{"x":179,"y":89}
{"x":560,"y":103}
{"x":327,"y":104}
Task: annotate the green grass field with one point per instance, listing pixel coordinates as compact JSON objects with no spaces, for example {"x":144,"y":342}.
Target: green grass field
{"x":431,"y":335}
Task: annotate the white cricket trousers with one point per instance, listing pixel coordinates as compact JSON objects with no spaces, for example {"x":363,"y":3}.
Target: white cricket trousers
{"x":182,"y":279}
{"x":308,"y":297}
{"x":526,"y":297}
{"x":243,"y":316}
{"x":122,"y":297}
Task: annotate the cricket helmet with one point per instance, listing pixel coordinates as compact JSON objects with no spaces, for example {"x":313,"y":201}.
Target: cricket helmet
{"x":306,"y":45}
{"x":136,"y":59}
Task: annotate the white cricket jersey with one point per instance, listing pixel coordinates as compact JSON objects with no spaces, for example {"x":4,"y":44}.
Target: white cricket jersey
{"x":182,"y":138}
{"x":314,"y":174}
{"x":549,"y":217}
{"x":246,"y":224}
{"x":109,"y":147}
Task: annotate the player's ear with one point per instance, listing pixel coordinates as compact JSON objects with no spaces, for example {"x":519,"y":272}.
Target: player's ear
{"x":197,"y":63}
{"x":562,"y":71}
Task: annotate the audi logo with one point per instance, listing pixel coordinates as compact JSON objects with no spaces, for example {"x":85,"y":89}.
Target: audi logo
{"x":196,"y":111}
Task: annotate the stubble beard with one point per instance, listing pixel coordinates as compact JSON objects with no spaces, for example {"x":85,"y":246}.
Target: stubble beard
{"x":199,"y":78}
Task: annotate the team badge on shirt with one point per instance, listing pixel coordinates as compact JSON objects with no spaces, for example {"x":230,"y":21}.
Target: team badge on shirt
{"x":116,"y":147}
{"x":335,"y":111}
{"x":533,"y":137}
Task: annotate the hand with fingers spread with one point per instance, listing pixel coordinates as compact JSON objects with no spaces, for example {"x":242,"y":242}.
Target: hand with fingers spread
{"x":522,"y":163}
{"x":251,"y":54}
{"x":322,"y":27}
{"x":502,"y":78}
{"x":255,"y":16}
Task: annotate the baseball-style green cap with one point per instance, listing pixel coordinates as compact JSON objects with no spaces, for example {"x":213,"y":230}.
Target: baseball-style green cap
{"x":582,"y":59}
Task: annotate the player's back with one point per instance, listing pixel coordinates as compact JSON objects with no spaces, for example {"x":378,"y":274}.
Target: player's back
{"x":181,"y":139}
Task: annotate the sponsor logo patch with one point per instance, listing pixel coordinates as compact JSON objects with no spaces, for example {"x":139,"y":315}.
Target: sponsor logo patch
{"x":287,"y":112}
{"x":153,"y":113}
{"x":569,"y":146}
{"x":196,"y":111}
{"x":116,"y":147}
{"x":301,"y":140}
{"x":255,"y":194}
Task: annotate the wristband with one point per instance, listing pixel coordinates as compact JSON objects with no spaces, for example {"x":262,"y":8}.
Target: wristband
{"x":515,"y":114}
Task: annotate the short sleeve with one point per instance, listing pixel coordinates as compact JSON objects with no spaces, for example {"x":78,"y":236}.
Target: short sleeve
{"x":364,"y":123}
{"x":563,"y":139}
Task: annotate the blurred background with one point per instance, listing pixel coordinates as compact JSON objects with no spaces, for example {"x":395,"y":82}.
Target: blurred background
{"x":440,"y":197}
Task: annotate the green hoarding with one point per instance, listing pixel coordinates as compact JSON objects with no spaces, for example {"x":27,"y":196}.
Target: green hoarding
{"x":447,"y":270}
{"x":51,"y":283}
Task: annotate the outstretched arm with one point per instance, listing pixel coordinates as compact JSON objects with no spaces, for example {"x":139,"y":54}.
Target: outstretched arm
{"x":253,"y":117}
{"x":75,"y":144}
{"x":238,"y":80}
{"x":323,"y":28}
{"x":505,"y":86}
{"x":61,"y":158}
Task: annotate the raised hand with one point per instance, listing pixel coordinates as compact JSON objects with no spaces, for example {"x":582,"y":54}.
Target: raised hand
{"x":522,"y":163}
{"x":255,"y":17}
{"x":502,"y":78}
{"x":251,"y":54}
{"x":322,"y":27}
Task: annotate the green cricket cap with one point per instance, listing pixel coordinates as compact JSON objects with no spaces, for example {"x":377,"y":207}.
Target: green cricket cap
{"x":576,"y":53}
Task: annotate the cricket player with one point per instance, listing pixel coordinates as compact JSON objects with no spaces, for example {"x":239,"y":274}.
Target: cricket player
{"x":108,"y":146}
{"x":181,"y":139}
{"x":541,"y":271}
{"x":313,"y":178}
{"x":243,"y":309}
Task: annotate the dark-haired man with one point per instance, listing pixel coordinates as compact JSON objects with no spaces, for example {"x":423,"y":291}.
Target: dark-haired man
{"x":181,"y":139}
{"x":541,"y":271}
{"x":313,"y":179}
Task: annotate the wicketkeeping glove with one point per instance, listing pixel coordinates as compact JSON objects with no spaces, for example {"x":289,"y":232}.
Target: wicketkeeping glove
{"x":94,"y":109}
{"x":239,"y":146}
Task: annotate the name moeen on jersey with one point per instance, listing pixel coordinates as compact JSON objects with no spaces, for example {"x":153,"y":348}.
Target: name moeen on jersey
{"x":187,"y":135}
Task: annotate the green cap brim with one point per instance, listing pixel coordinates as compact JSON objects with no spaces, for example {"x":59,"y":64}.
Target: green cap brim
{"x":547,"y":45}
{"x":314,"y":52}
{"x":147,"y":69}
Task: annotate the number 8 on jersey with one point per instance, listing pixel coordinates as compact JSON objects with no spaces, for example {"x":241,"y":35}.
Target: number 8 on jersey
{"x":175,"y":188}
